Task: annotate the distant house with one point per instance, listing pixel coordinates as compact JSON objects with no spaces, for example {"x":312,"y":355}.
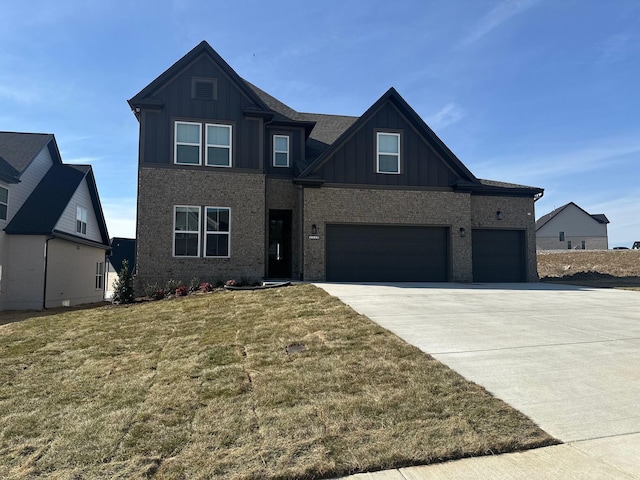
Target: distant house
{"x":121,"y":249}
{"x":572,"y":228}
{"x":53,"y":236}
{"x":232,"y":182}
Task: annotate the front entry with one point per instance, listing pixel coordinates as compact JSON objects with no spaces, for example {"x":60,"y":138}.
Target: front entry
{"x":279,"y":244}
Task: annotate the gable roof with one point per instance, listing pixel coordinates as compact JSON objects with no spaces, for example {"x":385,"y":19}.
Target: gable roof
{"x":18,"y":150}
{"x":41,"y":211}
{"x":598,"y":217}
{"x":145,"y":97}
{"x":123,"y":249}
{"x":394,"y":97}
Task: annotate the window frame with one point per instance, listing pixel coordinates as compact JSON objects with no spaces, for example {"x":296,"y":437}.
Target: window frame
{"x":99,"y":283}
{"x":206,"y":144}
{"x":276,"y":151}
{"x":568,"y":244}
{"x":561,"y":236}
{"x":215,"y":232}
{"x":198,"y":231}
{"x":81,"y":220}
{"x":398,"y":155}
{"x":176,"y":142}
{"x":5,"y":204}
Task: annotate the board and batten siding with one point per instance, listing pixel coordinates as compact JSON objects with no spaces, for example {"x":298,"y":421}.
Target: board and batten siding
{"x":19,"y":192}
{"x":67,"y":221}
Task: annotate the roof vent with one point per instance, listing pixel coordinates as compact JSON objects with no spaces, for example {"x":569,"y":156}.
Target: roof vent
{"x":204,"y":88}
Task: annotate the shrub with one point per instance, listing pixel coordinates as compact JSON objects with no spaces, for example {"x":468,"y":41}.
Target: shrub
{"x":231,"y":283}
{"x":172,"y":285}
{"x":150,"y":289}
{"x":194,"y":284}
{"x":182,"y":291}
{"x":123,"y":287}
{"x":206,"y":287}
{"x":158,"y":294}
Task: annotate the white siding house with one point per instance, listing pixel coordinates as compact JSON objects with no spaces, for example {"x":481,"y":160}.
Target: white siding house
{"x":47,"y":257}
{"x":572,"y":228}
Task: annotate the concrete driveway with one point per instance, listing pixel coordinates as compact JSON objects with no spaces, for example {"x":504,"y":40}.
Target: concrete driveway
{"x":568,"y":357}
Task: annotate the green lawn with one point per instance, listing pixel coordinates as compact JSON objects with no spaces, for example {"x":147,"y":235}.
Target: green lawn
{"x":203,"y":387}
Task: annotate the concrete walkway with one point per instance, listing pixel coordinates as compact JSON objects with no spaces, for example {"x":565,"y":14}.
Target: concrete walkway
{"x":568,"y":357}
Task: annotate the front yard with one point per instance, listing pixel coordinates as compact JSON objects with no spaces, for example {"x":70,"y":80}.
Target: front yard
{"x":285,"y":383}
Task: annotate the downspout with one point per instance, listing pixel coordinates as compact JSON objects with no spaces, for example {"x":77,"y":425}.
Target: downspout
{"x":46,"y":265}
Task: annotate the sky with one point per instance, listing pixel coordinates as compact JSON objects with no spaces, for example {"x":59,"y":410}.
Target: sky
{"x":536,"y":92}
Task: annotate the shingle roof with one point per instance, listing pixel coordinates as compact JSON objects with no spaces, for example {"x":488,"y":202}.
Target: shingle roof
{"x":17,"y":150}
{"x":598,"y":217}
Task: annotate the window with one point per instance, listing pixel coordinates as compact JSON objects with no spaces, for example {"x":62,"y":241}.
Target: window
{"x":217,"y":232}
{"x":81,"y":220}
{"x":568,"y":244}
{"x":584,"y":244}
{"x":186,"y":237}
{"x":388,"y":153}
{"x":4,"y":202}
{"x":99,"y":275}
{"x":187,"y":148}
{"x":562,"y":236}
{"x":218,"y":145}
{"x":280,"y":151}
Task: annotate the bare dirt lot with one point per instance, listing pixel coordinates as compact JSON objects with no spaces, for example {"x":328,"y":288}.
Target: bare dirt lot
{"x":593,"y":268}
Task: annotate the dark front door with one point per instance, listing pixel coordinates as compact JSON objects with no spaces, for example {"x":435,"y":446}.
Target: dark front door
{"x":279,"y":244}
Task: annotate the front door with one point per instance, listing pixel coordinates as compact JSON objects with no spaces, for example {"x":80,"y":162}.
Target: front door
{"x":279,"y":244}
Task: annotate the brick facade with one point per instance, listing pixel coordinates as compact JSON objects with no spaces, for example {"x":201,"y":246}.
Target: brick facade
{"x":160,"y":189}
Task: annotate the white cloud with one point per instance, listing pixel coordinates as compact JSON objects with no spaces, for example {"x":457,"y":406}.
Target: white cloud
{"x":498,"y":15}
{"x":447,"y":115}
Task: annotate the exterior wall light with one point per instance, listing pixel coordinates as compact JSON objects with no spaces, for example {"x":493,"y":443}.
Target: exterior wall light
{"x":314,"y":229}
{"x":463,"y":232}
{"x":499,"y":215}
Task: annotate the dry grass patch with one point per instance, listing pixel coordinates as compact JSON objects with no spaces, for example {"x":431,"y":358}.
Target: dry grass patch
{"x":203,"y":387}
{"x":591,"y":268}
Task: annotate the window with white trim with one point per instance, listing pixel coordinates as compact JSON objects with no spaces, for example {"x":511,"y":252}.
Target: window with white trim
{"x":387,"y":152}
{"x":188,"y":137}
{"x":218,"y":153}
{"x":4,"y":203}
{"x":81,"y":220}
{"x":186,"y":231}
{"x":217,"y":231}
{"x":99,"y":275}
{"x":280,"y":151}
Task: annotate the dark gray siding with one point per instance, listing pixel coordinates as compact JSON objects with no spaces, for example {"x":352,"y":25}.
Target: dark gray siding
{"x":157,"y":127}
{"x":355,"y":161}
{"x":296,"y":149}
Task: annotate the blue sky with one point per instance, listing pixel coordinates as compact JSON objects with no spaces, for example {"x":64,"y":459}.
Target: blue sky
{"x":538,"y":92}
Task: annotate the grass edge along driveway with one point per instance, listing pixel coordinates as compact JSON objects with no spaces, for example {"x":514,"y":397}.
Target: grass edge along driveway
{"x":205,"y":387}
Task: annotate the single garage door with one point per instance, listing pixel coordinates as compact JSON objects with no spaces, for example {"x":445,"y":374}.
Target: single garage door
{"x":383,"y":253}
{"x":498,"y":256}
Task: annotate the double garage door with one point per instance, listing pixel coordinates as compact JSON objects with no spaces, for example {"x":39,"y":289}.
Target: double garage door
{"x":386,"y":253}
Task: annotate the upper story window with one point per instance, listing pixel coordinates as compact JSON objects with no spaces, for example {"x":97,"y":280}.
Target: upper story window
{"x":186,"y":227}
{"x":187,"y":149}
{"x":4,"y":202}
{"x":81,"y":220}
{"x":218,"y":145}
{"x":280,"y":151}
{"x":388,"y":152}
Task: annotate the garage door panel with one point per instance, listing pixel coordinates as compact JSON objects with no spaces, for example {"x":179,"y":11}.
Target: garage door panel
{"x":498,"y":256}
{"x":386,"y":253}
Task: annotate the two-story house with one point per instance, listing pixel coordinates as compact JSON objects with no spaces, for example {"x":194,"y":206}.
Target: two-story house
{"x":232,"y":183}
{"x":570,"y":227}
{"x":53,"y":237}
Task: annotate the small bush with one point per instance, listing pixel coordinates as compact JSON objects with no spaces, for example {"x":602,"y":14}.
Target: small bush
{"x":123,"y":287}
{"x":206,"y":287}
{"x":158,"y":294}
{"x":182,"y":291}
{"x":232,"y":283}
{"x":194,"y":284}
{"x":172,"y":285}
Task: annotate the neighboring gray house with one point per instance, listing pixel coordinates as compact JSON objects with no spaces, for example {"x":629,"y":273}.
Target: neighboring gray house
{"x":572,"y":228}
{"x":121,"y":249}
{"x":233,"y":183}
{"x":53,"y":237}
